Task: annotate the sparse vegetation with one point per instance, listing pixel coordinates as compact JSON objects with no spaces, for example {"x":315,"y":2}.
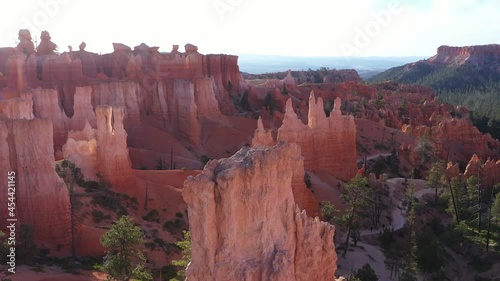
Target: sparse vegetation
{"x":153,"y":216}
{"x":204,"y":159}
{"x":185,"y":245}
{"x":98,"y":216}
{"x":123,"y":260}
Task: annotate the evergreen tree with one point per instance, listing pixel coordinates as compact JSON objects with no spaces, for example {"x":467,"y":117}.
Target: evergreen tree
{"x":355,"y":195}
{"x":436,"y":178}
{"x":122,"y":260}
{"x":185,"y":245}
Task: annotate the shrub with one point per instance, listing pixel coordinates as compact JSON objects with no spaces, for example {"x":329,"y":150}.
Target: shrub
{"x":204,"y":159}
{"x":173,"y":226}
{"x":98,"y":216}
{"x":152,"y":215}
{"x":366,"y":273}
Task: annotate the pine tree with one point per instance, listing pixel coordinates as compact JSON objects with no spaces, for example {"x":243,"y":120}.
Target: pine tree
{"x":185,"y":245}
{"x":122,"y":260}
{"x":355,"y":194}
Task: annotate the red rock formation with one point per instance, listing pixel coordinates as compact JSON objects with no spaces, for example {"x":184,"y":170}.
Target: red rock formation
{"x":457,"y":136}
{"x":487,"y":172}
{"x":112,"y":152}
{"x":81,"y":149}
{"x":174,"y":103}
{"x":46,"y":106}
{"x":452,"y":171}
{"x":17,"y":108}
{"x":245,"y":225}
{"x":490,"y":173}
{"x":31,"y":155}
{"x":461,"y":55}
{"x":204,"y":94}
{"x":262,"y":136}
{"x":327,"y":143}
{"x":473,"y":167}
{"x":25,"y":45}
{"x":123,"y":94}
{"x":16,"y":72}
{"x":83,"y":110}
{"x":46,"y":46}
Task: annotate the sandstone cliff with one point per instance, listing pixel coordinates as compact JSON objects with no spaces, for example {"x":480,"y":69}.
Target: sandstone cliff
{"x":30,"y":153}
{"x":112,"y":152}
{"x":327,"y":143}
{"x":245,"y":225}
{"x":469,"y":54}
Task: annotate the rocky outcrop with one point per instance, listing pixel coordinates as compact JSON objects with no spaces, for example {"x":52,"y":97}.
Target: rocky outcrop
{"x":46,"y":106}
{"x":452,"y":171}
{"x":487,"y":172}
{"x":262,"y":136}
{"x":245,"y":225}
{"x":174,"y":104}
{"x":25,"y":45}
{"x":469,"y":54}
{"x":17,"y":108}
{"x":327,"y":143}
{"x":204,"y":94}
{"x":31,"y":154}
{"x":457,"y":136}
{"x":81,"y":149}
{"x":112,"y":152}
{"x":123,"y":94}
{"x":83,"y":110}
{"x":46,"y":46}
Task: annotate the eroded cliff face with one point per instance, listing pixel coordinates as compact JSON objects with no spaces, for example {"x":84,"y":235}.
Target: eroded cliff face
{"x":488,"y":172}
{"x":17,"y":108}
{"x":46,"y":106}
{"x":468,"y":54}
{"x":327,"y":143}
{"x":457,"y":136}
{"x":112,"y":152}
{"x":245,"y":224}
{"x":27,"y":149}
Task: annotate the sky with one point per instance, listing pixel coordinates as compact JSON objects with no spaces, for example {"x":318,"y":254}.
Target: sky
{"x":262,"y":27}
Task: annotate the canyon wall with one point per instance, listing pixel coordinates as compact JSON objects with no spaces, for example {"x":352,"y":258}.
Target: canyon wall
{"x":27,"y":149}
{"x":245,"y":225}
{"x":469,"y":54}
{"x":327,"y":143}
{"x":112,"y":153}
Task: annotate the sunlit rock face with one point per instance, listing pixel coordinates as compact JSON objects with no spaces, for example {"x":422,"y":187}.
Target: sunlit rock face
{"x":327,"y":143}
{"x":27,"y":149}
{"x":112,"y":152}
{"x":245,"y":224}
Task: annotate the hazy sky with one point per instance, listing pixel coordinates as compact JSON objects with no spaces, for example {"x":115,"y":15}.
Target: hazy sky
{"x":274,"y":27}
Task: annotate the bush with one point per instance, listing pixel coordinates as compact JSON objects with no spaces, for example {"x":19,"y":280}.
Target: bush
{"x":150,"y":245}
{"x":152,"y":215}
{"x":173,"y":226}
{"x":169,"y":272}
{"x":366,"y":273}
{"x":204,"y":159}
{"x":98,"y":216}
